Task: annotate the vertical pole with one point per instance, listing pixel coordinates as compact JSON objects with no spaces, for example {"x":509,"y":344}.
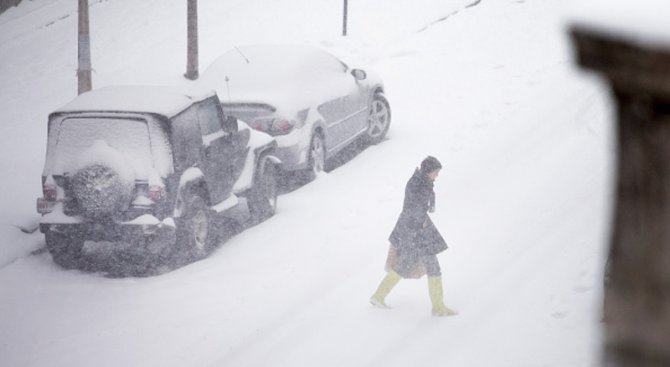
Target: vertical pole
{"x":84,"y":50}
{"x":344,"y":19}
{"x":192,"y":40}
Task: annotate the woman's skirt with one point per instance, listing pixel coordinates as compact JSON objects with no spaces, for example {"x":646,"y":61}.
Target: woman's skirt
{"x":410,"y":264}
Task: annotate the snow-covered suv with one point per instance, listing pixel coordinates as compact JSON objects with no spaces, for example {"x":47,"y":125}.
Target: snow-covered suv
{"x":154,"y":170}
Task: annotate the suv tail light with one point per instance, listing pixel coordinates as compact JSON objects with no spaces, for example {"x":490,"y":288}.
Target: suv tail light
{"x":156,"y":193}
{"x":49,"y":191}
{"x":49,"y":198}
{"x":147,"y":195}
{"x":274,"y":126}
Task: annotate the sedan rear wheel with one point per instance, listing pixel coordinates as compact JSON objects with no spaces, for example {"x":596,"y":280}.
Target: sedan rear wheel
{"x":263,"y":197}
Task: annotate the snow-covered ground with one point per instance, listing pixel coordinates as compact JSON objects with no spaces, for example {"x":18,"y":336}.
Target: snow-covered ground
{"x":490,"y":90}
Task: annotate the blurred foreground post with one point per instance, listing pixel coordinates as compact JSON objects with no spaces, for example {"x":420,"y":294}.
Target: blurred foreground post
{"x":637,"y":297}
{"x":6,"y":4}
{"x":84,"y":50}
{"x":192,"y":40}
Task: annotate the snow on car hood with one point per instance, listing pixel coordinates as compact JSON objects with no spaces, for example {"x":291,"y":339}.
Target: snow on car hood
{"x":290,"y":77}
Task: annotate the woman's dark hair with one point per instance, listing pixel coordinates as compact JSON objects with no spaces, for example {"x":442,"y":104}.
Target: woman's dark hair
{"x":430,"y":164}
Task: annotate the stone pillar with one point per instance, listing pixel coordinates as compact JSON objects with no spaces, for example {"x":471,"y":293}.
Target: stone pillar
{"x":637,"y":294}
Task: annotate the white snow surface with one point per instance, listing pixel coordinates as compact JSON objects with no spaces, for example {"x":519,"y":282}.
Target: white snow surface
{"x":523,"y":199}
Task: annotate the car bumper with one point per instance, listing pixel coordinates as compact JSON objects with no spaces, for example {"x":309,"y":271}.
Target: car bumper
{"x":140,"y":230}
{"x":292,"y":150}
{"x":107,"y":232}
{"x":291,"y":158}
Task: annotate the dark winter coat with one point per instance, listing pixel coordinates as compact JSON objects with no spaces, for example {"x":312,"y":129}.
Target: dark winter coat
{"x":414,"y":232}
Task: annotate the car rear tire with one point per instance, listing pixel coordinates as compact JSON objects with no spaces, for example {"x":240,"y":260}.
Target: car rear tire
{"x":379,"y":119}
{"x":66,"y":251}
{"x":263,"y":196}
{"x":195,"y":231}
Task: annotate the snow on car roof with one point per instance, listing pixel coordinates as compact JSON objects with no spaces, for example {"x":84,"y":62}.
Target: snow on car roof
{"x":283,"y":75}
{"x":167,"y":101}
{"x":269,"y":59}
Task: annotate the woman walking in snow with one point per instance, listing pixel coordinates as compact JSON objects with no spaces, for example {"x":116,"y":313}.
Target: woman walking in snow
{"x":415,"y":241}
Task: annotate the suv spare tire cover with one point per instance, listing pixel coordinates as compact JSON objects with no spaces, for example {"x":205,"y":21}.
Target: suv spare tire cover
{"x":103,"y":186}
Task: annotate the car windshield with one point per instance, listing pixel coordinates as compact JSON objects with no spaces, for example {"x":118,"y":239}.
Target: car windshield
{"x":110,"y":140}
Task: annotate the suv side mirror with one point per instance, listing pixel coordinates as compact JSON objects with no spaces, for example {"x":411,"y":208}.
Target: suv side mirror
{"x":359,"y":74}
{"x":229,"y":124}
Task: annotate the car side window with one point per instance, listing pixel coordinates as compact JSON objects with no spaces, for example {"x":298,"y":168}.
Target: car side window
{"x":209,"y":117}
{"x":186,"y":139}
{"x":230,"y":124}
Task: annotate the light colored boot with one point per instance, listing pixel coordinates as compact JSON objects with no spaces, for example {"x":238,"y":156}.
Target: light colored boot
{"x":436,"y":298}
{"x":390,"y":280}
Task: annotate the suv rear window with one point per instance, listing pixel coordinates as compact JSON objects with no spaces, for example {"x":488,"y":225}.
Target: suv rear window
{"x":75,"y":137}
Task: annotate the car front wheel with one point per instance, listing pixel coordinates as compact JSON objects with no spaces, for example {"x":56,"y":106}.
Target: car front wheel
{"x":379,"y":119}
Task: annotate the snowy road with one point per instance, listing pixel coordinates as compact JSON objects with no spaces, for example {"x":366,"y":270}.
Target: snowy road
{"x":522,"y":201}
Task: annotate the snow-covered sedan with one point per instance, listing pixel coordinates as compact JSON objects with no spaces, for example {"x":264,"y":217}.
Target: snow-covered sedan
{"x":150,"y":171}
{"x":309,"y":100}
